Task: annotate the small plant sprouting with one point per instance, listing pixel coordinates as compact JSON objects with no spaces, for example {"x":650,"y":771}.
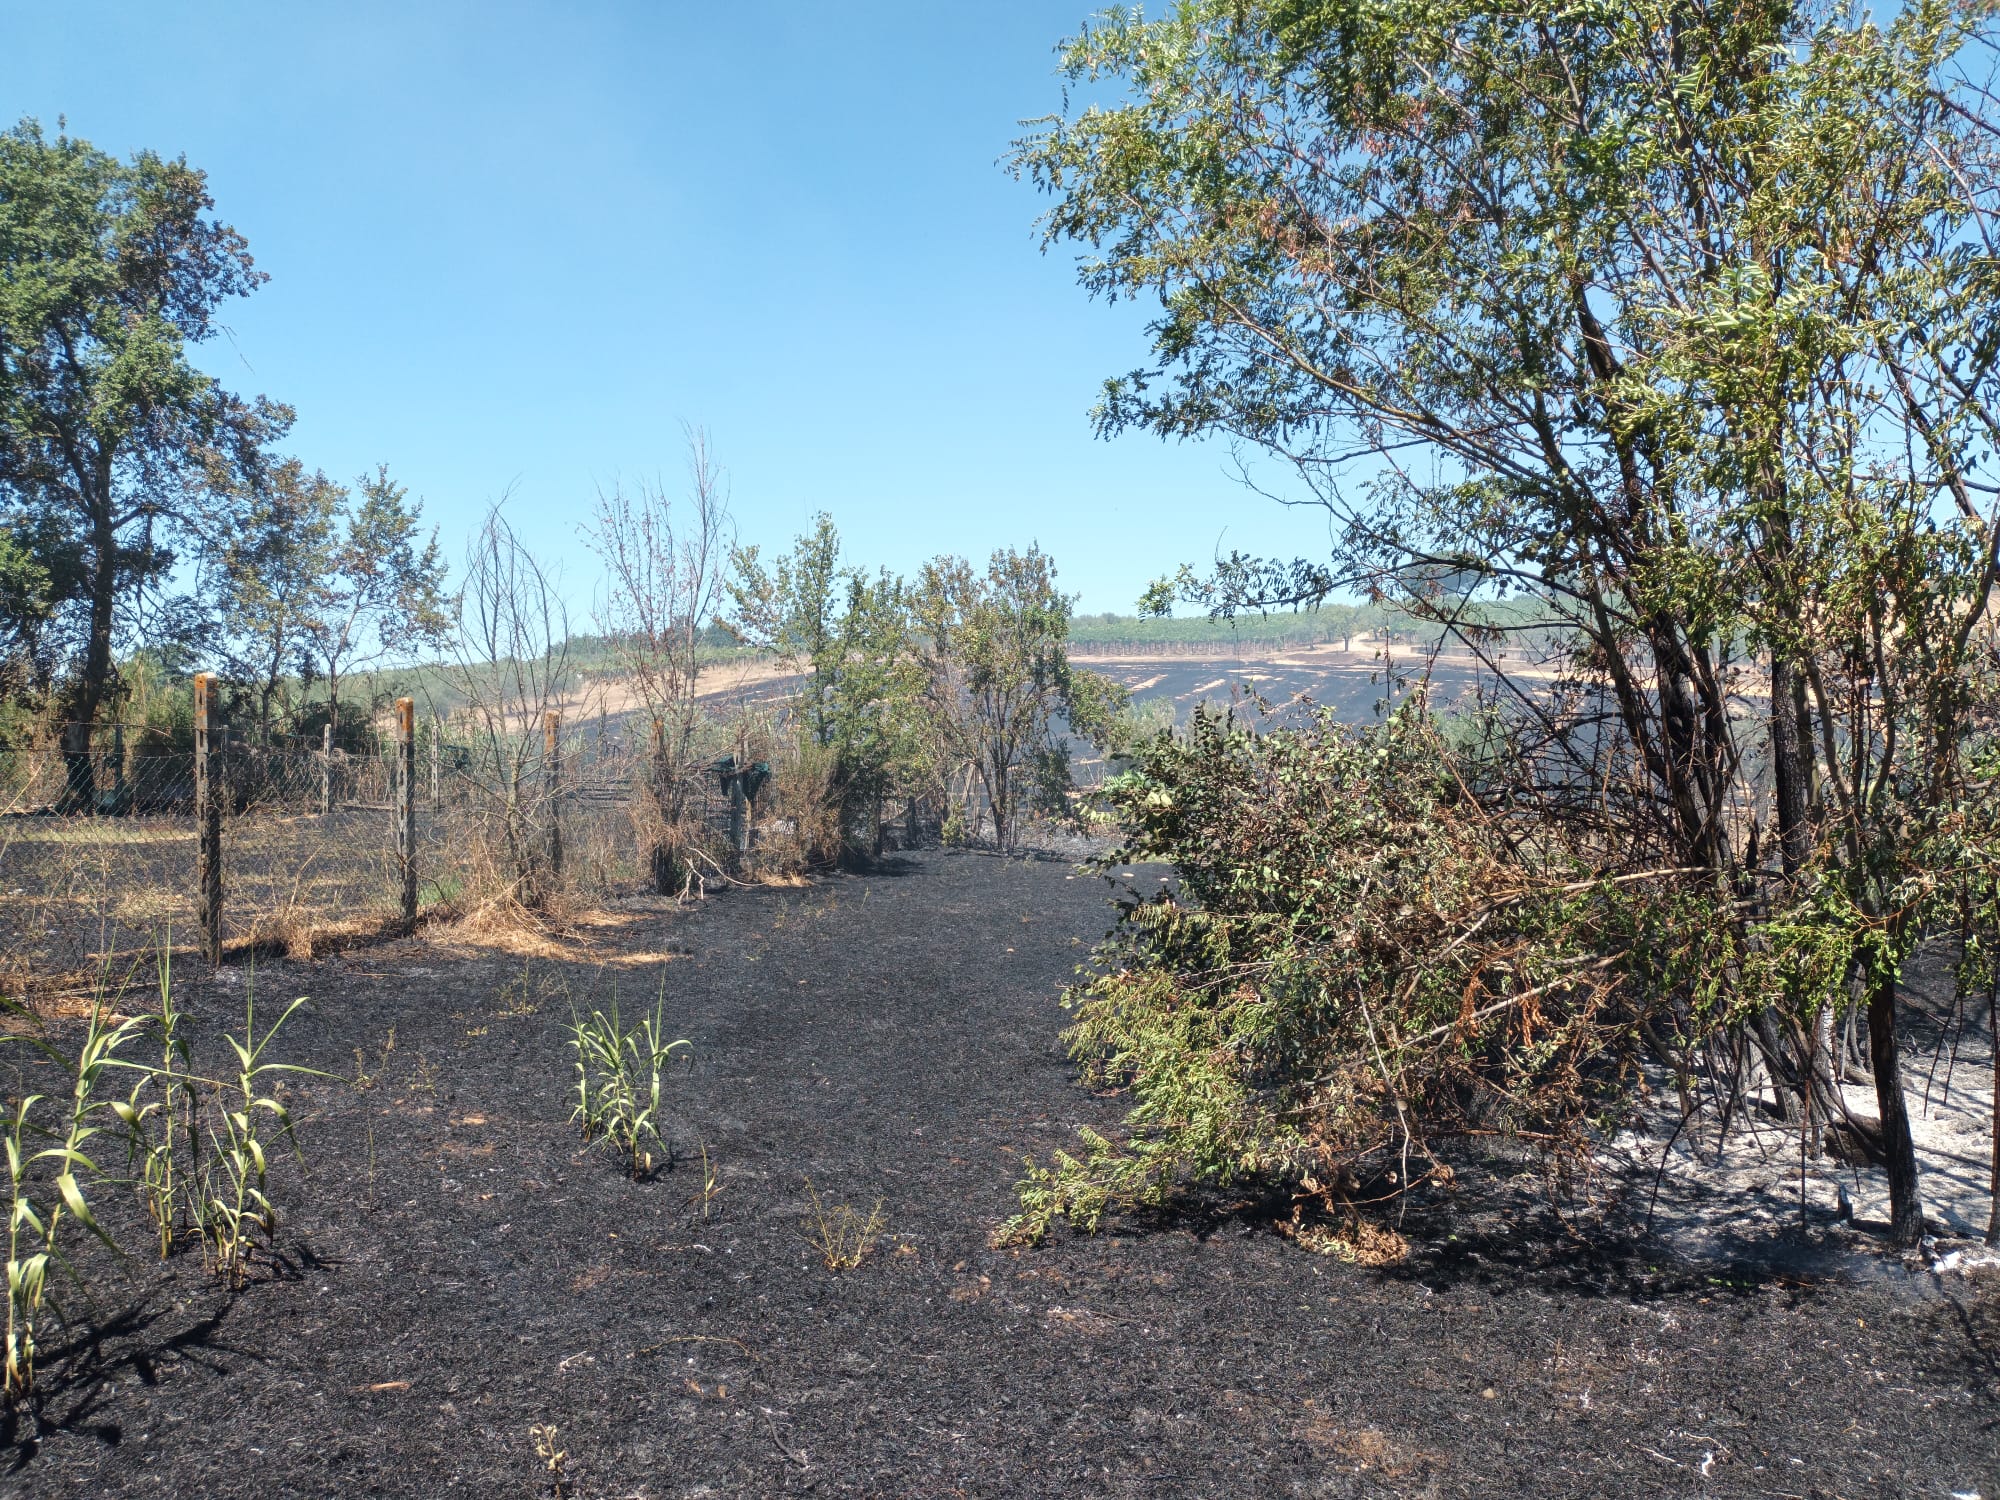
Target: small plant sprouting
{"x":365,"y":1080}
{"x":34,"y":1241}
{"x":163,"y":1138}
{"x":236,"y":1207}
{"x":51,"y":1153}
{"x":424,"y":1075}
{"x":842,"y":1237}
{"x":703,"y":1197}
{"x":523,"y":996}
{"x":619,"y":1077}
{"x":552,"y":1457}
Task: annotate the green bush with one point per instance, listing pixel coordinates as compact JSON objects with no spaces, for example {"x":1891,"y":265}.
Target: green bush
{"x":1353,"y":962}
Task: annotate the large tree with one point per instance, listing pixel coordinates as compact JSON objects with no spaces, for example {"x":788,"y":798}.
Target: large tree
{"x":1679,"y":318}
{"x":110,"y":438}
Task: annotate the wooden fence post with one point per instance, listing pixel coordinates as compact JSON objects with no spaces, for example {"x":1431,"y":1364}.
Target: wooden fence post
{"x":660,"y":856}
{"x":406,"y":805}
{"x":552,"y":762}
{"x":208,"y":826}
{"x":326,"y":771}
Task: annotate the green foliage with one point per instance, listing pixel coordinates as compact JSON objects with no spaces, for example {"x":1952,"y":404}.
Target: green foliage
{"x":997,"y":682}
{"x":850,"y":635}
{"x":40,"y":1201}
{"x":619,"y":1076}
{"x":114,"y":447}
{"x":277,"y":570}
{"x":55,"y":1160}
{"x":1680,"y":327}
{"x":382,"y":589}
{"x":236,"y":1207}
{"x":1350,"y":964}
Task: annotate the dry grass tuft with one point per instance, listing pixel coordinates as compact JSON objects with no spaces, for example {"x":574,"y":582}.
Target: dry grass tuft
{"x":842,"y":1236}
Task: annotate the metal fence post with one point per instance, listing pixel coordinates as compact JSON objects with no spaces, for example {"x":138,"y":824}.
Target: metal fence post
{"x":552,"y":764}
{"x":437,"y":751}
{"x":208,"y":826}
{"x":326,"y":771}
{"x":739,"y":815}
{"x":406,"y":804}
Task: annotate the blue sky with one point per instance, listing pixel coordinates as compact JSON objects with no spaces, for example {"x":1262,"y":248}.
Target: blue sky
{"x":515,"y":246}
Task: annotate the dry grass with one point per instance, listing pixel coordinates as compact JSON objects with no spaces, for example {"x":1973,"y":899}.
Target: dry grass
{"x":1354,"y":1239}
{"x":842,"y":1236}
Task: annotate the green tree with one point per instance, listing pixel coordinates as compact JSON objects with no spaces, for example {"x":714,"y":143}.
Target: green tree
{"x":793,"y":610}
{"x":383,"y":592}
{"x":998,"y":686}
{"x":849,"y":635}
{"x":110,"y":438}
{"x":1682,"y":323}
{"x":277,"y":571}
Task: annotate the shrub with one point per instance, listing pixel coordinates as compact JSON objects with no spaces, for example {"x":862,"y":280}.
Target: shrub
{"x":1353,"y":963}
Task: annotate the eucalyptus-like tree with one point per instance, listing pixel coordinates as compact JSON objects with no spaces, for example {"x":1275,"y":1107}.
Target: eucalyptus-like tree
{"x":382,"y":593}
{"x":849,"y":636}
{"x":115,"y":450}
{"x":1679,"y":319}
{"x":275,"y":574}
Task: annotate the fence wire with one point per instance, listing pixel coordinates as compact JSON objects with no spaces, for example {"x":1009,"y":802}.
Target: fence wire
{"x":99,"y":848}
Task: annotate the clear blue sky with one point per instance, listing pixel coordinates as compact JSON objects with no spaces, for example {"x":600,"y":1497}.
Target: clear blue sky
{"x":516,"y":245}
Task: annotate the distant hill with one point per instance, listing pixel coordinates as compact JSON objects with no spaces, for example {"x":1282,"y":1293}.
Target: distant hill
{"x":1254,"y":634}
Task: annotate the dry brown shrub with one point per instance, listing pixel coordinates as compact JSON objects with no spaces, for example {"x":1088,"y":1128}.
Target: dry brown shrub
{"x":1354,"y":1239}
{"x":803,"y":831}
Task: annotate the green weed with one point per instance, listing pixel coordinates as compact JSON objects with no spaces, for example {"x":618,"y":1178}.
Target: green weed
{"x":35,"y":1216}
{"x":619,"y":1076}
{"x":236,"y":1206}
{"x":842,"y":1236}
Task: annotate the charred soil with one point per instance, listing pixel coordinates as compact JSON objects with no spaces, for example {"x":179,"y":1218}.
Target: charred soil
{"x":456,"y":1267}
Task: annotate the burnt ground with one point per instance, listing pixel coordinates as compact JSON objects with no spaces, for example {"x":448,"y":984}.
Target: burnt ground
{"x":456,"y":1269}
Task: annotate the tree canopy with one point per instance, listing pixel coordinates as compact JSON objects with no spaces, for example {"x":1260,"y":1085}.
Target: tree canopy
{"x":1677,"y":318}
{"x":116,"y":452}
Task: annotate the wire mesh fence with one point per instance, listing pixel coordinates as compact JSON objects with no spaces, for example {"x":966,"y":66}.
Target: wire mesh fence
{"x":317,"y":844}
{"x":100,"y":848}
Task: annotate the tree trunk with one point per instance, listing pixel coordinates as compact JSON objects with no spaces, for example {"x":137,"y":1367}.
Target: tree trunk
{"x":1794,"y":833}
{"x":1783,"y":1087}
{"x":1906,"y":1209}
{"x":80,"y":789}
{"x":1993,"y":1182}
